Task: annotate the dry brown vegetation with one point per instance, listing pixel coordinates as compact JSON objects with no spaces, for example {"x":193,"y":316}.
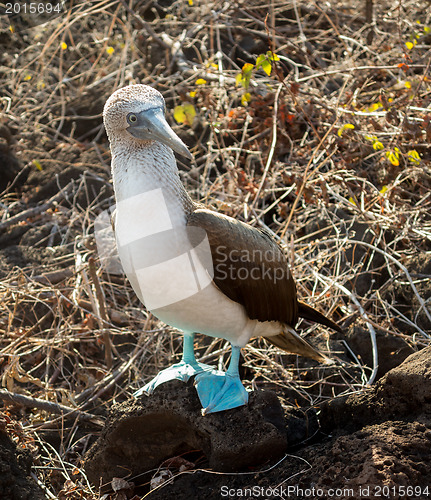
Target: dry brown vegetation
{"x":330,"y":153}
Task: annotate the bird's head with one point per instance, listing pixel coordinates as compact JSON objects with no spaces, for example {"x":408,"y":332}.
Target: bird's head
{"x":137,"y":112}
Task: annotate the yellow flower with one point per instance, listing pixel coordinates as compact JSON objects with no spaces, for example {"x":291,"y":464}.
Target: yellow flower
{"x":245,"y":99}
{"x":414,"y":157}
{"x":110,"y":50}
{"x":63,"y":45}
{"x":377,"y":145}
{"x":393,"y":156}
{"x":346,"y":126}
{"x":374,"y":107}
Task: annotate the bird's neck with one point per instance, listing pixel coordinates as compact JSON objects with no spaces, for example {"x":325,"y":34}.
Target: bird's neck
{"x":151,"y":169}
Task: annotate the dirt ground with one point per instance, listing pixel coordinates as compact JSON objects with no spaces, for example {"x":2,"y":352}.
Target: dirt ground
{"x":329,"y":152}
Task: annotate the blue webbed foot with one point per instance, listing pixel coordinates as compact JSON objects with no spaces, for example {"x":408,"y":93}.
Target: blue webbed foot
{"x":219,"y":391}
{"x":179,"y":371}
{"x":183,"y":370}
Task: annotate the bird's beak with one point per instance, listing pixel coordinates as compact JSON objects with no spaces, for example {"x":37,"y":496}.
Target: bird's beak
{"x":151,"y":124}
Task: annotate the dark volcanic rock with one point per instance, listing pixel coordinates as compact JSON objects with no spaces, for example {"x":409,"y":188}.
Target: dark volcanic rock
{"x":15,"y":480}
{"x":404,"y":392}
{"x":380,"y":437}
{"x":393,"y":454}
{"x":140,"y":434}
{"x":377,"y":439}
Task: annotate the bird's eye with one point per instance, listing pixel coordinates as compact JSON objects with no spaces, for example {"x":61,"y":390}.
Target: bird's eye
{"x":131,"y":118}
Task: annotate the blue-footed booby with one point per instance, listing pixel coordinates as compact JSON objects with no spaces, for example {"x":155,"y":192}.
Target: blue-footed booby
{"x":193,"y":268}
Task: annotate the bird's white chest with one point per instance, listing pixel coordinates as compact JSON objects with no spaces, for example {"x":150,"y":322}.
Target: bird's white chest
{"x":153,"y":246}
{"x":171,"y":275}
{"x":169,"y":268}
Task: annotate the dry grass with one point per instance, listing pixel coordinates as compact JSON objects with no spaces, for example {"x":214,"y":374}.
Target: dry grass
{"x":285,"y":162}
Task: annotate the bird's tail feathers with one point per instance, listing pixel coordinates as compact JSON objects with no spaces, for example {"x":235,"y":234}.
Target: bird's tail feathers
{"x":309,"y":313}
{"x":290,"y":341}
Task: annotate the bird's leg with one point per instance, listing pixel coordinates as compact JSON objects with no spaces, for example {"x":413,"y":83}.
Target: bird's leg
{"x":220,"y":391}
{"x":189,"y":357}
{"x":186,"y":368}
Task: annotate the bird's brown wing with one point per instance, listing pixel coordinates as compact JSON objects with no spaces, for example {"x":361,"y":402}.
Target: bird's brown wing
{"x":249,"y":267}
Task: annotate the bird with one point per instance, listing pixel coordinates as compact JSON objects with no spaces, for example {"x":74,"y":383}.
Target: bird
{"x":193,"y":268}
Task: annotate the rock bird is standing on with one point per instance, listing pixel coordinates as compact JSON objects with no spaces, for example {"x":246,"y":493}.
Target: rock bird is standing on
{"x":193,"y":268}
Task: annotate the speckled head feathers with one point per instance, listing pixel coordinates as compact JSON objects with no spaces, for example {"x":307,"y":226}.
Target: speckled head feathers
{"x":133,"y":98}
{"x":134,"y":118}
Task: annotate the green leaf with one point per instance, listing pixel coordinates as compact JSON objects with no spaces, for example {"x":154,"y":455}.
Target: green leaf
{"x":247,"y":68}
{"x":260,"y":60}
{"x":266,"y":66}
{"x":243,"y":78}
{"x":272,"y":56}
{"x":265,"y":61}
